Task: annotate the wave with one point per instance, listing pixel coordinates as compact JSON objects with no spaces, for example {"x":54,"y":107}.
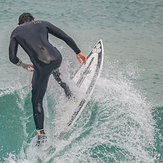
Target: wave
{"x":117,"y":125}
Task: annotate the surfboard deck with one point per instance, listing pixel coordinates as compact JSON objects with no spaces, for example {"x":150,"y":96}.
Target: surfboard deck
{"x":85,"y":80}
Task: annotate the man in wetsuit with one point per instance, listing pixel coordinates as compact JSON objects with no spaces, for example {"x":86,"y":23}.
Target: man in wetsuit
{"x":32,"y":36}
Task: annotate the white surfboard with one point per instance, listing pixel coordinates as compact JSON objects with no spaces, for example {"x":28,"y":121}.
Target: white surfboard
{"x":85,"y":80}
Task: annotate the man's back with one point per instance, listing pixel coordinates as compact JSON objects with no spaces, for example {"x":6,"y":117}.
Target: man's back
{"x":33,"y":38}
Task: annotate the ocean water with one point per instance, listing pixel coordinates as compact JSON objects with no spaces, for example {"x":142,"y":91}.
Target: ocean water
{"x":123,"y":121}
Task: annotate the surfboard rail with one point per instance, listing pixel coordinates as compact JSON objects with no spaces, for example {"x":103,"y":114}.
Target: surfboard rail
{"x":85,"y":79}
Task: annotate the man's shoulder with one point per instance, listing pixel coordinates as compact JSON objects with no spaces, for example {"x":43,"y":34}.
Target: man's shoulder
{"x":14,"y":32}
{"x":44,"y":22}
{"x":40,"y":22}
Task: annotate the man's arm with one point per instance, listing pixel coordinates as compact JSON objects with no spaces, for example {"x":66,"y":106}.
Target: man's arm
{"x":13,"y":48}
{"x":57,"y":32}
{"x":69,"y":41}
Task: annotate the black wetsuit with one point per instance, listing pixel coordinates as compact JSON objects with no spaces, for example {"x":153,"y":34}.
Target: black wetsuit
{"x":33,"y":38}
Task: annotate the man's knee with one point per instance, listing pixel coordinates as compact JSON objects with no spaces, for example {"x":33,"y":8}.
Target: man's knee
{"x":39,"y":108}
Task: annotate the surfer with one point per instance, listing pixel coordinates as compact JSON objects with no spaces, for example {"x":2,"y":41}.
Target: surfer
{"x":32,"y":36}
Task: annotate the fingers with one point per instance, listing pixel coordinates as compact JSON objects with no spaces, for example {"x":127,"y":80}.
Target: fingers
{"x":78,"y":57}
{"x":30,"y":68}
{"x":81,"y":56}
{"x":84,"y":59}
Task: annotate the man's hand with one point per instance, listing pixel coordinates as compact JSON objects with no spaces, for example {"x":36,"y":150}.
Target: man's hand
{"x":81,"y":56}
{"x":30,"y":68}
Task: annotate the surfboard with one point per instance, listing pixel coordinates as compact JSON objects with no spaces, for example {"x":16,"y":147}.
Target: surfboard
{"x":85,"y":80}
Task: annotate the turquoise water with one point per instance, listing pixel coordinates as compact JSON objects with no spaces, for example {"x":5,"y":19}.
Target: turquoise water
{"x":123,"y":121}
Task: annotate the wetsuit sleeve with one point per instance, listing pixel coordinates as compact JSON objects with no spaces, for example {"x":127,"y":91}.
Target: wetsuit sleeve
{"x":62,"y":35}
{"x":13,"y":47}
